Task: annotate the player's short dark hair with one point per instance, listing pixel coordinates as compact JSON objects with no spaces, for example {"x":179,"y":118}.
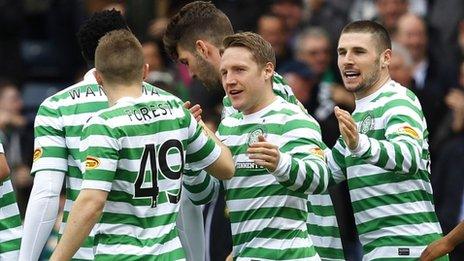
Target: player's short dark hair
{"x":119,"y":58}
{"x":260,"y":49}
{"x":198,"y":20}
{"x":95,"y":28}
{"x":377,"y":30}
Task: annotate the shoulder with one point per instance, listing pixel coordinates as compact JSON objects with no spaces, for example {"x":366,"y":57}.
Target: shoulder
{"x":151,"y":90}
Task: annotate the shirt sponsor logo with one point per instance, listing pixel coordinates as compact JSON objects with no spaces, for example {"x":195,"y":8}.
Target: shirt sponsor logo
{"x":318,"y":152}
{"x":91,"y":162}
{"x":37,"y":154}
{"x":247,"y":165}
{"x":408,"y":131}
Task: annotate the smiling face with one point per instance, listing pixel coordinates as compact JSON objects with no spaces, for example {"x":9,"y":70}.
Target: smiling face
{"x":199,"y":68}
{"x":360,"y":63}
{"x":247,"y":84}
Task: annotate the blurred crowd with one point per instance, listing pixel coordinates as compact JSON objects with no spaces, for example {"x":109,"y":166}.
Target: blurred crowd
{"x":39,"y":55}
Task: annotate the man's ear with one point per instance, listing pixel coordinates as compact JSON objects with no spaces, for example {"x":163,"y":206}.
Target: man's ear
{"x":268,"y":70}
{"x":146,"y":69}
{"x":385,"y":58}
{"x":98,"y":77}
{"x":202,"y":48}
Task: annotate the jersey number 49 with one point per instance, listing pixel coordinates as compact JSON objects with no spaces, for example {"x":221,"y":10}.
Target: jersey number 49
{"x":158,"y":159}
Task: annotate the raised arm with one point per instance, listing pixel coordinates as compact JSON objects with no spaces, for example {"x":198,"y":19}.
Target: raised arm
{"x":400,"y":151}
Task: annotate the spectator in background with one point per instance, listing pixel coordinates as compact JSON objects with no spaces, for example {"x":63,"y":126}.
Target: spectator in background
{"x":14,"y":135}
{"x":430,"y":76}
{"x":447,"y":174}
{"x":274,"y":30}
{"x":302,"y":81}
{"x":389,"y":11}
{"x":292,"y":13}
{"x":401,"y":65}
{"x":328,"y":15}
{"x":159,"y":73}
{"x":312,"y":47}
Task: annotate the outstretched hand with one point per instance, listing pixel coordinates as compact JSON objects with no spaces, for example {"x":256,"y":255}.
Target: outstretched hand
{"x":195,"y":110}
{"x":347,"y":127}
{"x":264,"y":154}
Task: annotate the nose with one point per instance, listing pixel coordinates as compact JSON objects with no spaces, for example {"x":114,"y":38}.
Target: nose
{"x":229,"y":79}
{"x":347,"y":58}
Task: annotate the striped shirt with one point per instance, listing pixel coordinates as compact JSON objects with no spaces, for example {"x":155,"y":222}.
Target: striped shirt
{"x":10,"y":221}
{"x":136,"y":150}
{"x":322,"y":222}
{"x":388,"y":175}
{"x":57,"y":130}
{"x":268,"y":213}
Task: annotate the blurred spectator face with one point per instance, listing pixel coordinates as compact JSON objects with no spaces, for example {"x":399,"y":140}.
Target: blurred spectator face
{"x":390,"y":11}
{"x":272,"y":29}
{"x":301,"y":87}
{"x":413,"y":35}
{"x":10,"y":100}
{"x":315,"y":52}
{"x":400,"y":71}
{"x":358,"y":61}
{"x":199,"y":68}
{"x":291,"y":12}
{"x":151,"y":53}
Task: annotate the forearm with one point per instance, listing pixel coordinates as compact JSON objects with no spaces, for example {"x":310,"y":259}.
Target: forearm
{"x":41,"y":213}
{"x":200,"y":187}
{"x":308,"y":175}
{"x":400,"y":156}
{"x":84,"y":215}
{"x":456,"y":236}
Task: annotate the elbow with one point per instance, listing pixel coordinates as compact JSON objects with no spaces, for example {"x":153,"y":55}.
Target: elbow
{"x":229,"y":170}
{"x":94,"y":204}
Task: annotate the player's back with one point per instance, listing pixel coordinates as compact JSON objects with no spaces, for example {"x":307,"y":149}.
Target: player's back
{"x":146,"y":141}
{"x":58,"y":127}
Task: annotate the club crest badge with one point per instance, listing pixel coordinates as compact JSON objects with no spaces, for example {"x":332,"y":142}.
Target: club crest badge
{"x":367,"y":124}
{"x":253,"y":135}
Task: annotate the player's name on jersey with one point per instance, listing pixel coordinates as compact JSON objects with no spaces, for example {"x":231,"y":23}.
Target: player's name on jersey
{"x":148,"y":112}
{"x":247,"y":165}
{"x":93,"y":91}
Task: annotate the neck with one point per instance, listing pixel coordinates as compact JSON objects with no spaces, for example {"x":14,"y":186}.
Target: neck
{"x":384,"y":78}
{"x":265,"y":100}
{"x":116,"y":92}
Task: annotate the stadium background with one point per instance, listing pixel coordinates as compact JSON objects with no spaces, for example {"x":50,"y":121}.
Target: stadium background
{"x":39,"y":55}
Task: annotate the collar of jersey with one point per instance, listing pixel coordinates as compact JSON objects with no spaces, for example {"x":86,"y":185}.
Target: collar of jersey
{"x":264,"y":110}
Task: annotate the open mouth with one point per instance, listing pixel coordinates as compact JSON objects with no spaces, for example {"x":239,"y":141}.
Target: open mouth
{"x":351,"y":74}
{"x":235,"y":92}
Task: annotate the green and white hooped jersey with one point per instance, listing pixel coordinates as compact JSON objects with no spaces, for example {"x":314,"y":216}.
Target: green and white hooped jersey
{"x":388,"y":175}
{"x":322,"y":222}
{"x":268,"y":211}
{"x":10,"y":221}
{"x":57,"y":130}
{"x":136,"y":150}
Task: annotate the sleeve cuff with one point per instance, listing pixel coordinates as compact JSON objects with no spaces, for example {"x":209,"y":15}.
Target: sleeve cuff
{"x":285,"y":162}
{"x":363,"y":146}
